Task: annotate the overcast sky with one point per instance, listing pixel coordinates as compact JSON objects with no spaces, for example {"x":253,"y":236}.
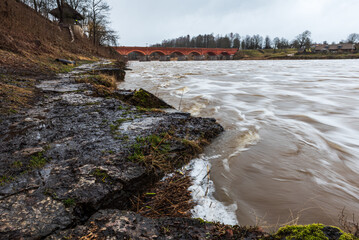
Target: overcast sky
{"x":141,"y":22}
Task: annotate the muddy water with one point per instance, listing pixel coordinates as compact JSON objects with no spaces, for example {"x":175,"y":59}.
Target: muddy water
{"x":291,"y":144}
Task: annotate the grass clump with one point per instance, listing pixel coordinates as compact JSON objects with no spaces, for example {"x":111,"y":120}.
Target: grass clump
{"x":17,"y":164}
{"x":169,"y":197}
{"x":69,"y":202}
{"x":6,"y":179}
{"x":15,"y":93}
{"x":37,"y":161}
{"x":103,"y":85}
{"x":101,"y":175}
{"x":100,"y":79}
{"x":156,"y":152}
{"x":65,"y":68}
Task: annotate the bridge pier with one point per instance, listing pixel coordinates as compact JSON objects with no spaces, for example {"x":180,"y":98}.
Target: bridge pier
{"x":165,"y":58}
{"x":182,"y":58}
{"x":145,"y":58}
{"x":212,"y":58}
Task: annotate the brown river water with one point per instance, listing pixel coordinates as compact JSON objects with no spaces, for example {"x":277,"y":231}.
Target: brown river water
{"x":291,"y":146}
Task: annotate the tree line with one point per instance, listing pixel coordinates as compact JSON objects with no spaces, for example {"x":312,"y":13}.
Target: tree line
{"x":234,"y":40}
{"x":95,"y":12}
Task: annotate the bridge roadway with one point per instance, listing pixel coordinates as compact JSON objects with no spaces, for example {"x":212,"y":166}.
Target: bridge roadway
{"x":181,"y":52}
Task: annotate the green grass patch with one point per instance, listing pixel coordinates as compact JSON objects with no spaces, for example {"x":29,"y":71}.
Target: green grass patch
{"x":37,"y":161}
{"x":70,"y":202}
{"x":154,"y":151}
{"x":101,"y":175}
{"x":6,"y":179}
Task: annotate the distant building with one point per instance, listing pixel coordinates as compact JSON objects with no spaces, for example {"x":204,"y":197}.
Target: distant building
{"x":334,"y":48}
{"x":71,"y":19}
{"x":70,"y":15}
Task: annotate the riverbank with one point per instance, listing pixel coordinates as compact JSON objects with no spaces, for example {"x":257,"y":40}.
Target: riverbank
{"x":289,"y":54}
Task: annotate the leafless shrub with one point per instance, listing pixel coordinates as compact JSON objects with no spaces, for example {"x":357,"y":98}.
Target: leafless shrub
{"x":347,"y":224}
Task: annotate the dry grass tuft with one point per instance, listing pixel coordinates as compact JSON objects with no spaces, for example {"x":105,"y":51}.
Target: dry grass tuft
{"x":14,"y":97}
{"x":101,"y":79}
{"x":103,"y":85}
{"x":169,"y":197}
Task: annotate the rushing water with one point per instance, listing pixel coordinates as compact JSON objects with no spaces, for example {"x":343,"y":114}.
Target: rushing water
{"x":291,"y":143}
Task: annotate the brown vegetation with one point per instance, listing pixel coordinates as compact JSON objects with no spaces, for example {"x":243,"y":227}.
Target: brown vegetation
{"x":169,"y":197}
{"x":349,"y":225}
{"x":32,"y":41}
{"x":29,"y":45}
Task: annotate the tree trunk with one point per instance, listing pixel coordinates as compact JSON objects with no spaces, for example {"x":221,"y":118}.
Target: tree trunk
{"x":60,"y":5}
{"x":35,"y":5}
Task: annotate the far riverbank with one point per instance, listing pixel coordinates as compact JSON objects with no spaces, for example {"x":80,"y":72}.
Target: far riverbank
{"x":289,"y":54}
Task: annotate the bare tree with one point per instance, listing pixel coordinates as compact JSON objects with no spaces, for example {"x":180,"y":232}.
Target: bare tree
{"x":284,"y":43}
{"x":267,"y":43}
{"x":276,"y":42}
{"x":353,"y":38}
{"x":303,"y":40}
{"x":257,"y":41}
{"x":98,"y":23}
{"x":78,"y":4}
{"x":237,"y":42}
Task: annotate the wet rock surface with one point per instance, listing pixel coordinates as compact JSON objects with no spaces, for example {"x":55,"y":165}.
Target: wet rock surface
{"x":116,"y":224}
{"x":71,"y":155}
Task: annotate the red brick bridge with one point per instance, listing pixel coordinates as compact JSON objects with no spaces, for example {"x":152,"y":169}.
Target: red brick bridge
{"x":167,"y":51}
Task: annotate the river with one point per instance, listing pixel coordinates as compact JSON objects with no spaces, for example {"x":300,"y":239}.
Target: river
{"x":291,"y":146}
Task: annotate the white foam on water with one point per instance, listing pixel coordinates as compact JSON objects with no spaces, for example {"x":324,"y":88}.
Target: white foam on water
{"x":202,"y":190}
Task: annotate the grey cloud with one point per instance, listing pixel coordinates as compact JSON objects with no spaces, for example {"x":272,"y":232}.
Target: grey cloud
{"x":142,"y":21}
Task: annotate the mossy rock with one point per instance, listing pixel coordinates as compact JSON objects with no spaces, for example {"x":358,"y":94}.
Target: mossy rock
{"x":142,"y":98}
{"x":311,"y":232}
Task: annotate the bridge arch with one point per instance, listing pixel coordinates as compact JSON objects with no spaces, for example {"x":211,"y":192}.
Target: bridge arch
{"x":158,"y":52}
{"x":135,"y":55}
{"x":194,"y":53}
{"x":224,"y":56}
{"x":211,"y":53}
{"x":136,"y":52}
{"x":179,"y":53}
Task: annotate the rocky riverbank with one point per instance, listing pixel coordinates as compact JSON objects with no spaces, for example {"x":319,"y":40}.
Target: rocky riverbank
{"x":75,"y":153}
